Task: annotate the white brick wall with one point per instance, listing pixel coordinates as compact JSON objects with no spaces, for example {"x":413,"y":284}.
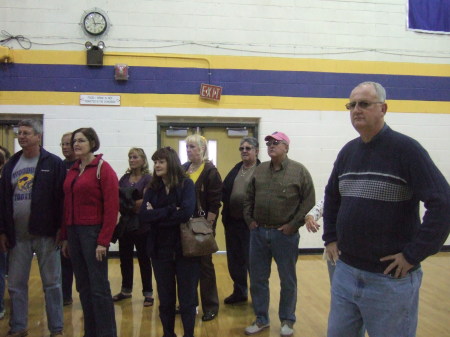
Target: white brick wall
{"x":316,"y":28}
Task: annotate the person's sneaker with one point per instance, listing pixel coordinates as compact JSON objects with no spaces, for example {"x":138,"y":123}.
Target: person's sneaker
{"x":22,"y":333}
{"x":286,"y":329}
{"x":255,"y":328}
{"x":2,"y":314}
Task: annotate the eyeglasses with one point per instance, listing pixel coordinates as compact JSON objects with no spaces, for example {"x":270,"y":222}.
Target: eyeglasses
{"x":24,"y":133}
{"x":246,"y":148}
{"x":361,"y":104}
{"x":273,"y":142}
{"x":79,"y":140}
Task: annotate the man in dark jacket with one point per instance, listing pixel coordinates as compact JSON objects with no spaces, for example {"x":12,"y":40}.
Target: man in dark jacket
{"x":237,"y":234}
{"x":31,"y":199}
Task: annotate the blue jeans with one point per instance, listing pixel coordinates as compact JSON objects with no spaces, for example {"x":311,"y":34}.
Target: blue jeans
{"x":264,"y":244}
{"x":386,"y":306}
{"x":91,"y":279}
{"x":67,"y":278}
{"x":2,"y":280}
{"x":20,"y":257}
{"x":331,"y":268}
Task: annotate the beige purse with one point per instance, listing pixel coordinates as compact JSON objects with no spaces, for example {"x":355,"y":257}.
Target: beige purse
{"x":197,"y":235}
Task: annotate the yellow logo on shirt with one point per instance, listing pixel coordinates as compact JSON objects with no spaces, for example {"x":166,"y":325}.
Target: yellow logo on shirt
{"x":25,"y":182}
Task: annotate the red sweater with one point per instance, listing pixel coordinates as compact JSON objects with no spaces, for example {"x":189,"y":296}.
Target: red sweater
{"x":91,"y":201}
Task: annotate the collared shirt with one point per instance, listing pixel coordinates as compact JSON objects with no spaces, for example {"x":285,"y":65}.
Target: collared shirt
{"x":275,"y":198}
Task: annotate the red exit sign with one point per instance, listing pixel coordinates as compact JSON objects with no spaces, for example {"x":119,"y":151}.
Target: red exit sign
{"x":212,"y":92}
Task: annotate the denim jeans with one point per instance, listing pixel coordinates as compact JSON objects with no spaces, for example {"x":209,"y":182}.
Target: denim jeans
{"x":91,"y":279}
{"x":386,"y":306}
{"x":184,"y":273}
{"x":2,"y":280}
{"x":48,"y":256}
{"x":237,"y":238}
{"x":67,"y":277}
{"x":264,"y":244}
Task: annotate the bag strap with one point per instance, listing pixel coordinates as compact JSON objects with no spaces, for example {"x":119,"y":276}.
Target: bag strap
{"x":200,"y":210}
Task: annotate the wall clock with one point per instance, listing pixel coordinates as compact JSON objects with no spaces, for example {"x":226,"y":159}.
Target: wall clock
{"x":94,"y":22}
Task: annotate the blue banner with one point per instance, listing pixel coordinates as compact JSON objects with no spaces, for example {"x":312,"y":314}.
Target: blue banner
{"x":429,"y":16}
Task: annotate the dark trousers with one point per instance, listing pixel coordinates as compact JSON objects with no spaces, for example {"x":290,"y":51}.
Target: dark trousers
{"x":237,"y":239}
{"x":126,"y":247}
{"x":182,"y":272}
{"x":208,"y":285}
{"x":91,"y":277}
{"x":66,"y":277}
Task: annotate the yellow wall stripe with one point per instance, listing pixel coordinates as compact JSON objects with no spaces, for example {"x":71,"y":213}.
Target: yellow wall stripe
{"x":227,"y":102}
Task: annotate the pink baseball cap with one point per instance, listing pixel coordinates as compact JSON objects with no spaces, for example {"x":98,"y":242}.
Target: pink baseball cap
{"x":278,"y":136}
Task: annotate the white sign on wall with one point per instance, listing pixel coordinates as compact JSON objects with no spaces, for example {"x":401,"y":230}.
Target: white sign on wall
{"x":99,"y":100}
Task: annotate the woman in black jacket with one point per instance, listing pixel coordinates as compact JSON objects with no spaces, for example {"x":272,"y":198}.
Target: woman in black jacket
{"x":168,"y":202}
{"x":208,"y":187}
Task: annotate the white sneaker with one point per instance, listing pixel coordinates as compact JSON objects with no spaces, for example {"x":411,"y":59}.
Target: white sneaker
{"x":286,"y":329}
{"x":255,"y":328}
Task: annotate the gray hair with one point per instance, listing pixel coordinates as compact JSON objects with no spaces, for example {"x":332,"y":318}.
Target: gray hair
{"x":379,"y":89}
{"x":251,"y":140}
{"x":35,"y":124}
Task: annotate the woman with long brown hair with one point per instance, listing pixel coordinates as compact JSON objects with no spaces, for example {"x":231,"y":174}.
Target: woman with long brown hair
{"x":168,"y":202}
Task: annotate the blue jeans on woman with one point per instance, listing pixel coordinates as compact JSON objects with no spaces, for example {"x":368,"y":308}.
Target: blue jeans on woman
{"x":2,"y":281}
{"x":91,"y":279}
{"x":386,"y":306}
{"x":20,"y":257}
{"x":265,"y":244}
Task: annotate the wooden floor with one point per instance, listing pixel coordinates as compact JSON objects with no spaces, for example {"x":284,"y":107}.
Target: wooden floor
{"x":312,"y":307}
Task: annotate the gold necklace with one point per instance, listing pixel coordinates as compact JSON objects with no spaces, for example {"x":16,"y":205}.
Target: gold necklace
{"x":134,"y":179}
{"x":245,"y":170}
{"x":193,"y":168}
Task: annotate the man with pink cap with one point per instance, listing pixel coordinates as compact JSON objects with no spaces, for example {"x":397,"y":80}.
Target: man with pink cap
{"x":279,"y":196}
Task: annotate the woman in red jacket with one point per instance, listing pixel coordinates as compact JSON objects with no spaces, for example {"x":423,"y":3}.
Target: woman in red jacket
{"x":91,"y":206}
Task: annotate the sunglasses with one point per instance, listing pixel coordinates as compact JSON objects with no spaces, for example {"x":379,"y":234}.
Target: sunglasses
{"x":361,"y":104}
{"x":246,"y":148}
{"x":273,"y":142}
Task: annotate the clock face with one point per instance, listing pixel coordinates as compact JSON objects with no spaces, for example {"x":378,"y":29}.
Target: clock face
{"x":95,"y":23}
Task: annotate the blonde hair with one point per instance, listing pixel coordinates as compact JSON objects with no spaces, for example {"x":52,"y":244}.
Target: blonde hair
{"x":140,"y":152}
{"x":66,"y":134}
{"x":202,"y":144}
